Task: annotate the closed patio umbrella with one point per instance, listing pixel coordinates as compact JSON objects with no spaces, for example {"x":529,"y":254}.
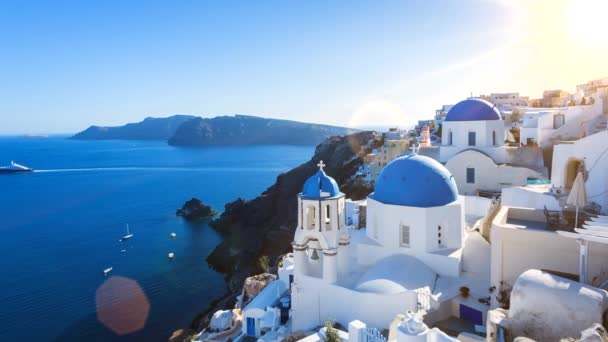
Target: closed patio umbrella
{"x":578,"y":195}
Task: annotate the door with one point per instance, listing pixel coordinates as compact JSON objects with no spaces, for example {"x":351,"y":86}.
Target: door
{"x":472,"y":315}
{"x":251,"y":326}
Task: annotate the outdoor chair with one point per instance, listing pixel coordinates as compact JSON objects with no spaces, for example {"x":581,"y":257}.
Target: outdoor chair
{"x":556,"y":220}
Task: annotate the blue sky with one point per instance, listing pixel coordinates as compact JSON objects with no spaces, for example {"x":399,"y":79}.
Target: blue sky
{"x":65,"y":65}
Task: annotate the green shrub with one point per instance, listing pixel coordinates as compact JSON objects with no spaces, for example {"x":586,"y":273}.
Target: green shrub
{"x":331,"y":334}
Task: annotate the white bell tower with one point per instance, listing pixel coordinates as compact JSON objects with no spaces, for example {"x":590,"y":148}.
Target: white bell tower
{"x":321,"y":239}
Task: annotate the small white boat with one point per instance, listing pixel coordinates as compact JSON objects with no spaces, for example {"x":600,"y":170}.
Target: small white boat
{"x":171,"y":255}
{"x":173,"y":235}
{"x":107,"y":271}
{"x":128,"y":236}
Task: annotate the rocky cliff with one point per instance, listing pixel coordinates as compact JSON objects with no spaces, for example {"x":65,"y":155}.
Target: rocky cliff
{"x":251,"y":130}
{"x":148,"y":129}
{"x":264,"y":226}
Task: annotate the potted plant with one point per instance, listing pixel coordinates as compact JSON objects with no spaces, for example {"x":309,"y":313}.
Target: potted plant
{"x":464,"y":292}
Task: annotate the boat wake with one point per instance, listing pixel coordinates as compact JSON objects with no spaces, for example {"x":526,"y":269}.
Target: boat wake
{"x":169,"y":168}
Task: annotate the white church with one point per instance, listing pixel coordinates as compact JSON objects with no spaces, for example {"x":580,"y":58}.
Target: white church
{"x":409,"y":258}
{"x":473,"y":148}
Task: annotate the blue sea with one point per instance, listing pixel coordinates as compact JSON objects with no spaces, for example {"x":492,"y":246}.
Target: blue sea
{"x":60,"y":227}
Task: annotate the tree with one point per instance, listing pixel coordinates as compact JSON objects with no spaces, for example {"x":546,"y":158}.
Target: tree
{"x":331,"y":334}
{"x":583,"y":101}
{"x":264,"y":263}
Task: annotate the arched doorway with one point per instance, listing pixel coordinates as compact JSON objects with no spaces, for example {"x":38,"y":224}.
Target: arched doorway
{"x":572,"y":168}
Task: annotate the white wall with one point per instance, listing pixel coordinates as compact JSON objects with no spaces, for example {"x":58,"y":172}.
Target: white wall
{"x":516,"y":250}
{"x":314,"y":302}
{"x":476,"y":206}
{"x":539,"y":124}
{"x":483,"y":133}
{"x":384,"y":223}
{"x":488,"y":175}
{"x":525,"y":197}
{"x":594,"y":151}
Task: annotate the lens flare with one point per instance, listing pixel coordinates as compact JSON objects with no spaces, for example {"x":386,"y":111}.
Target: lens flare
{"x":122,"y":305}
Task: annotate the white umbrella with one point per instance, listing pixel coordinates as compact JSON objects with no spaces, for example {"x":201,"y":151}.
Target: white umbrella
{"x":578,"y":195}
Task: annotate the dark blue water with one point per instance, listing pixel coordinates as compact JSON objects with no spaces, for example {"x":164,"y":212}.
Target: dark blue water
{"x":59,"y":228}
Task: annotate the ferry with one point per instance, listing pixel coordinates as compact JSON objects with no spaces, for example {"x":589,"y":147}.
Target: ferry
{"x":14,"y":168}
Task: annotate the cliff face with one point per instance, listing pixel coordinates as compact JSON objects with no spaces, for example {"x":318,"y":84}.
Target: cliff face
{"x":251,"y":130}
{"x":265,"y":225}
{"x":149,"y":129}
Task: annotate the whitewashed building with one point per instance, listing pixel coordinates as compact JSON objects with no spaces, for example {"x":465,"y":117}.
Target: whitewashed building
{"x":545,"y":307}
{"x":506,"y":101}
{"x":473,"y":149}
{"x":589,"y":154}
{"x":409,"y":258}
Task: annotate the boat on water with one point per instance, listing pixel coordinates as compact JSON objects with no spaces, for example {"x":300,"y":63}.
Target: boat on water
{"x":171,"y":255}
{"x":107,"y":271}
{"x":14,"y":168}
{"x":128,"y":236}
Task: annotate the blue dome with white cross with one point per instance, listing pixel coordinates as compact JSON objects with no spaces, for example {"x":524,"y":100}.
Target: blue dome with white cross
{"x":415,"y":181}
{"x":320,"y":186}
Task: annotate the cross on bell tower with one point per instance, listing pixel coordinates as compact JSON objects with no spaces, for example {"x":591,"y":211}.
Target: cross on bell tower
{"x":321,"y":165}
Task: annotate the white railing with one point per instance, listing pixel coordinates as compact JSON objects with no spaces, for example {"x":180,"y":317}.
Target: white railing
{"x":425,"y":300}
{"x":373,"y":335}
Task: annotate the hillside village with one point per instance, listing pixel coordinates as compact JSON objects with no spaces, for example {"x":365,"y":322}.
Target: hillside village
{"x":487,"y":222}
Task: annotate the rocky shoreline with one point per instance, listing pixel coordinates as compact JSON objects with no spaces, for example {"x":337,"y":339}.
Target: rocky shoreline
{"x":262,"y":228}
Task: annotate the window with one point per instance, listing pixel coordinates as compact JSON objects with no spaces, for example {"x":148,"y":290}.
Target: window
{"x":493,"y":137}
{"x":450,"y":138}
{"x":471,"y":138}
{"x":328,"y":217}
{"x":470,"y":175}
{"x":558,"y":121}
{"x":310,"y":216}
{"x":405,"y":236}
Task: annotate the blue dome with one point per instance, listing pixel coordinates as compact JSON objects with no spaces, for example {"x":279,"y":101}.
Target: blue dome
{"x":320,"y":186}
{"x":415,"y":181}
{"x":473,"y":110}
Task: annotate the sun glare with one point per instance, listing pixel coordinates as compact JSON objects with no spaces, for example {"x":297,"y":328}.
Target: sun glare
{"x":377,"y":112}
{"x":586,"y":22}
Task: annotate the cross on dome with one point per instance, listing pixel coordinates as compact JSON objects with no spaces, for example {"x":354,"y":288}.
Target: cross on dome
{"x":414,"y":149}
{"x":321,"y":165}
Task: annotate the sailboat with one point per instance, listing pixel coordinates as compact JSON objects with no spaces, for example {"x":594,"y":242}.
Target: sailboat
{"x":128,"y":236}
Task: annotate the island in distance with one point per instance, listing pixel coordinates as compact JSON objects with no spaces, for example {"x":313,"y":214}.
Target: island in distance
{"x":148,"y":129}
{"x":183,"y":130}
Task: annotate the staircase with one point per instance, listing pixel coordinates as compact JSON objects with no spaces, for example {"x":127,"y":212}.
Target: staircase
{"x":486,"y":224}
